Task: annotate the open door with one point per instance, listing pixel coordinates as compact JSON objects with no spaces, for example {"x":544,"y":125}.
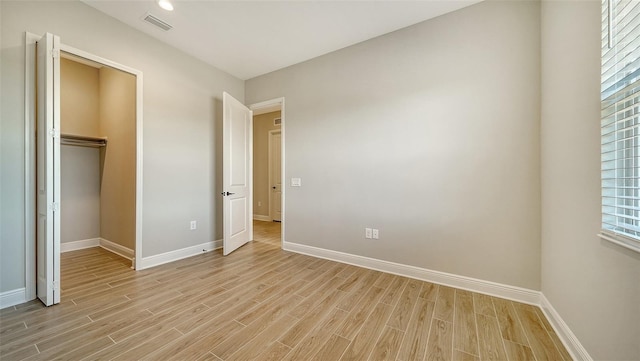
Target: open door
{"x":237,"y":177}
{"x":48,"y":170}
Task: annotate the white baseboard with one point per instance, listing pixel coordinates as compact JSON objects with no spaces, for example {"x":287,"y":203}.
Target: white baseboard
{"x":118,"y":249}
{"x":113,"y":247}
{"x":178,"y":254}
{"x":568,"y":338}
{"x":467,"y":283}
{"x":81,"y":244}
{"x":12,"y":298}
{"x":536,"y":298}
{"x":259,"y":217}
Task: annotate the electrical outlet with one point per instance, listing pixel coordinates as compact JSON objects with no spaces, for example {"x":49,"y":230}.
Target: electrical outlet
{"x":375,"y":233}
{"x":367,"y":233}
{"x":193,"y":225}
{"x":259,"y":204}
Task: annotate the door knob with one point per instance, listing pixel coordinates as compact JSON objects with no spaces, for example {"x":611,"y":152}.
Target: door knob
{"x":226,"y":193}
{"x":274,"y":187}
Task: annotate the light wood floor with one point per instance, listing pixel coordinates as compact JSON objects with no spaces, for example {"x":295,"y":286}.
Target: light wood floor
{"x":262,"y":303}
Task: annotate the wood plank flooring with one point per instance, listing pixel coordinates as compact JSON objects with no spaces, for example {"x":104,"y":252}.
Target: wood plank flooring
{"x":262,"y":303}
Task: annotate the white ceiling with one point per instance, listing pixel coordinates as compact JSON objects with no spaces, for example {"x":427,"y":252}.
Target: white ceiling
{"x":251,"y":38}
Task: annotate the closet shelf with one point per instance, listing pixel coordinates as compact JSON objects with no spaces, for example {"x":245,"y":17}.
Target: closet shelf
{"x":83,"y":141}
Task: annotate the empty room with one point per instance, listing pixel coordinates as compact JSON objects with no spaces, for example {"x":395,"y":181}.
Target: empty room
{"x":320,"y":180}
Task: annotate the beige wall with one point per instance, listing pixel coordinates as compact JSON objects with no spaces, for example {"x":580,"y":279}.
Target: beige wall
{"x":79,"y":98}
{"x":431,"y":135}
{"x":182,"y":127}
{"x":79,"y":167}
{"x":594,"y":285}
{"x":262,"y":124}
{"x":80,"y":193}
{"x":118,"y":124}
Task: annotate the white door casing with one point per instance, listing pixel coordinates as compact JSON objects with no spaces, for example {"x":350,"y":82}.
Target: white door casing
{"x":237,"y":177}
{"x":48,"y":170}
{"x":275,"y":175}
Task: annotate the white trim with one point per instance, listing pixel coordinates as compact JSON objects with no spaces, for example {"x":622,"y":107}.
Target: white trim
{"x":466,"y":283}
{"x":269,"y":108}
{"x":118,"y":249}
{"x":620,"y":240}
{"x":139,"y":138}
{"x":179,"y":254}
{"x":29,"y":167}
{"x":568,"y":338}
{"x":260,"y":217}
{"x":78,"y":245}
{"x":105,"y":244}
{"x":13,"y":297}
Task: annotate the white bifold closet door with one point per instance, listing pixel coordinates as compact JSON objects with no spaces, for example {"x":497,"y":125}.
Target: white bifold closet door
{"x":48,"y":170}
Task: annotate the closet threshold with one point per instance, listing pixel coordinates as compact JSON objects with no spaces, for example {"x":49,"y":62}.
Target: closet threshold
{"x":83,"y":140}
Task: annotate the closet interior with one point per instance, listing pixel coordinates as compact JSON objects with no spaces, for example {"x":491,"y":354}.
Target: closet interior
{"x":97,"y":156}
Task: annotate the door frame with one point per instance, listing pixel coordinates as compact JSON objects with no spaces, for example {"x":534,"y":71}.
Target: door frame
{"x":272,"y":133}
{"x":30,"y":155}
{"x":272,"y":103}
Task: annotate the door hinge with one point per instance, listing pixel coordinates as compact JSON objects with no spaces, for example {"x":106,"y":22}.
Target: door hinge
{"x":54,"y":133}
{"x":55,"y":53}
{"x":55,"y":285}
{"x":55,"y":206}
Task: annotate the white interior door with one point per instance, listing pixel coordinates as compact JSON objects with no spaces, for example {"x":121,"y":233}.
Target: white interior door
{"x":275,"y":170}
{"x":48,"y":170}
{"x":237,"y":177}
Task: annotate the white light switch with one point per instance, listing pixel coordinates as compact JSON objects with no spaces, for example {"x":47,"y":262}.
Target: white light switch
{"x":296,"y":182}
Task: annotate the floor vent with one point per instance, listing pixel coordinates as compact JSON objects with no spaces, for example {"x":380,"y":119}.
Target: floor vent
{"x":157,"y":22}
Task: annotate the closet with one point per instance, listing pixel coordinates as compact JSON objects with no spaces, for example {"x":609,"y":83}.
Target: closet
{"x":97,"y":156}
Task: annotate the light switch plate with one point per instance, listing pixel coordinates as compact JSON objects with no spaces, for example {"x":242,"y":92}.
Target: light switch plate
{"x":296,"y":182}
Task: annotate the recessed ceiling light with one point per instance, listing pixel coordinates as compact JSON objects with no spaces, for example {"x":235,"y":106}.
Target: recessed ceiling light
{"x":165,"y":4}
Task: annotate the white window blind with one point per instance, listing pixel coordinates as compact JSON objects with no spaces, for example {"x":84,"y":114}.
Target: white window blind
{"x":620,"y":134}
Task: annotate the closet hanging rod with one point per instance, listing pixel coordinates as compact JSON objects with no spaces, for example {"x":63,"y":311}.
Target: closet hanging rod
{"x":83,"y":141}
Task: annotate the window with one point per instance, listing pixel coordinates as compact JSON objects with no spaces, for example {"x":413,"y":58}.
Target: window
{"x":620,"y":134}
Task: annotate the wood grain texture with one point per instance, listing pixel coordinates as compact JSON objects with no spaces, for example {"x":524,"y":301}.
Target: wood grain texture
{"x":465,"y":334}
{"x":332,"y":349}
{"x":394,"y":290}
{"x":429,"y":291}
{"x":388,"y":345}
{"x":510,"y":327}
{"x":414,"y":343}
{"x":262,"y":303}
{"x":402,"y":313}
{"x":541,"y":343}
{"x":491,"y":345}
{"x":364,"y":341}
{"x":463,"y":356}
{"x":483,"y":304}
{"x":440,"y":346}
{"x":444,"y":303}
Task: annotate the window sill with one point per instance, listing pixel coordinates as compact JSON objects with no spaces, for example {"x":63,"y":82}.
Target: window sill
{"x":620,"y":241}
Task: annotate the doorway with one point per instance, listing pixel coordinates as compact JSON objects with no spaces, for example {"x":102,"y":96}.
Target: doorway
{"x":97,"y":157}
{"x":75,"y":184}
{"x":268,"y":171}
